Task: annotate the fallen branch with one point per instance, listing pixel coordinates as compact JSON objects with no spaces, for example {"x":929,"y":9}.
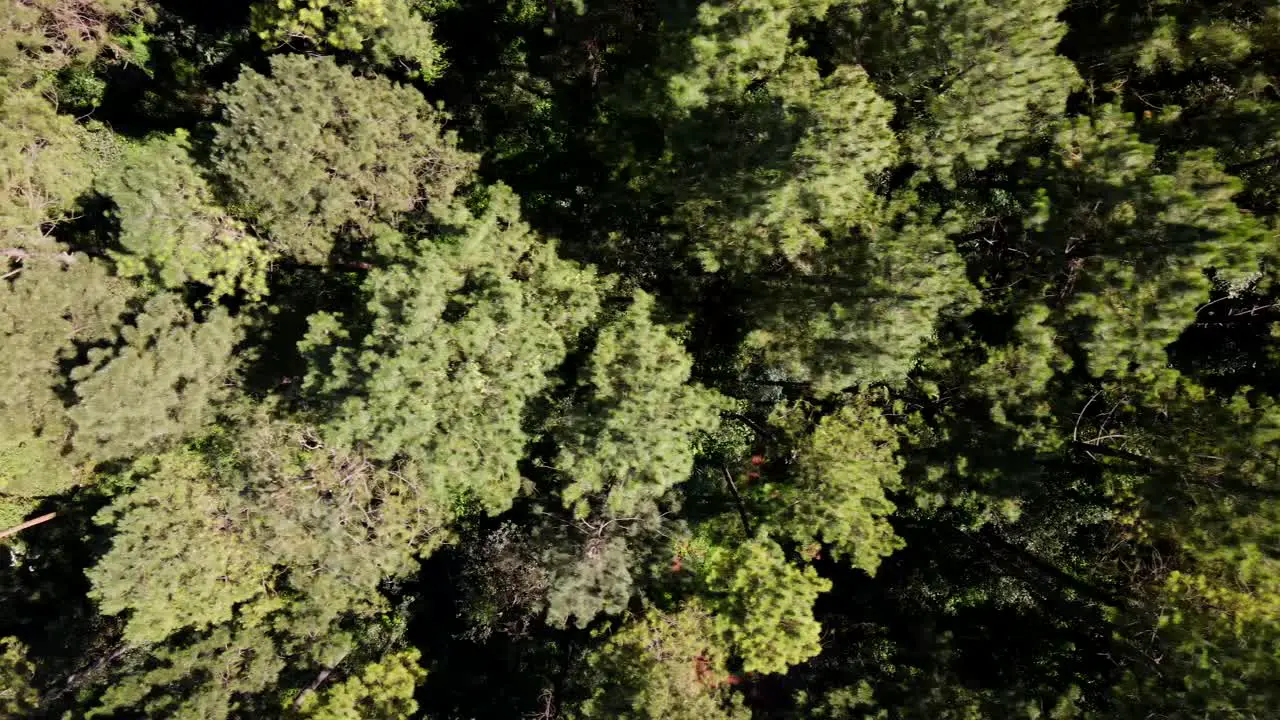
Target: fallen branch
{"x":30,"y":523}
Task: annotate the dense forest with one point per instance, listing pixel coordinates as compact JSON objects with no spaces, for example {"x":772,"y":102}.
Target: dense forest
{"x":620,"y":359}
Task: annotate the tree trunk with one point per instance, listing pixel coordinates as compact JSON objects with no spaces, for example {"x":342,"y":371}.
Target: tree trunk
{"x":737,"y":498}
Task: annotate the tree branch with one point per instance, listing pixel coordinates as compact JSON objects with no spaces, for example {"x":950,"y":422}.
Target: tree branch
{"x":30,"y":523}
{"x":1256,"y":162}
{"x":315,"y":684}
{"x":742,"y":508}
{"x":19,"y":254}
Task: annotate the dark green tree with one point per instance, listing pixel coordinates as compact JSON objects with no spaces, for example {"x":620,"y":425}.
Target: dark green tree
{"x":844,"y":465}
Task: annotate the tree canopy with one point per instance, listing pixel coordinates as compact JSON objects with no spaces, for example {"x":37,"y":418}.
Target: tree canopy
{"x":710,"y":360}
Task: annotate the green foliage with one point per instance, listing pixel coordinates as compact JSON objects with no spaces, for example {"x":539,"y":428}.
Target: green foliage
{"x":164,"y":381}
{"x":42,"y":167}
{"x":597,"y":565}
{"x":763,"y":604}
{"x":505,"y":584}
{"x":1015,"y":377}
{"x":32,"y":465}
{"x":896,"y":302}
{"x":1214,"y":626}
{"x":461,"y":338}
{"x":1220,"y":640}
{"x":970,"y":75}
{"x":313,"y":150}
{"x":864,"y":313}
{"x":1153,"y":238}
{"x":279,"y":513}
{"x":340,"y":534}
{"x":18,"y":697}
{"x":836,"y":493}
{"x":587,"y":578}
{"x":661,"y":665}
{"x":171,"y":228}
{"x":731,"y":45}
{"x":207,"y":678}
{"x":635,"y":436}
{"x":179,"y":557}
{"x":382,"y":689}
{"x":40,"y":37}
{"x":14,"y":510}
{"x":388,"y":31}
{"x":846,"y":703}
{"x":829,"y":137}
{"x":54,"y":305}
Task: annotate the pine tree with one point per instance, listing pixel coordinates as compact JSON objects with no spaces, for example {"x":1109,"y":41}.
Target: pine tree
{"x":263,"y":508}
{"x":18,"y":696}
{"x":763,"y":604}
{"x":635,"y":435}
{"x":171,"y":227}
{"x":835,"y":493}
{"x":863,"y":313}
{"x":388,"y":31}
{"x":937,"y":362}
{"x":40,"y":37}
{"x":730,"y":46}
{"x":1015,"y":378}
{"x":1198,"y":475}
{"x":163,"y":382}
{"x":335,"y":523}
{"x":661,"y":665}
{"x":969,"y":76}
{"x":208,"y":677}
{"x":54,"y":305}
{"x":461,"y":338}
{"x":45,"y":162}
{"x":1197,"y":67}
{"x":588,"y":575}
{"x":1152,"y":237}
{"x":180,"y":556}
{"x":44,"y":167}
{"x":382,"y":689}
{"x":313,"y":149}
{"x":596,"y":565}
{"x":786,"y":168}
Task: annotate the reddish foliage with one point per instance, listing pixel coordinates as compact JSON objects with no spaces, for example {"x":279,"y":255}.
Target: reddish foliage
{"x":702,"y":668}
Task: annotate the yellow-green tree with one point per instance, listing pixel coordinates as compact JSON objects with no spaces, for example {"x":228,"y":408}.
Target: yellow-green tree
{"x":660,"y":665}
{"x":387,"y":31}
{"x":635,"y":434}
{"x":461,"y":337}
